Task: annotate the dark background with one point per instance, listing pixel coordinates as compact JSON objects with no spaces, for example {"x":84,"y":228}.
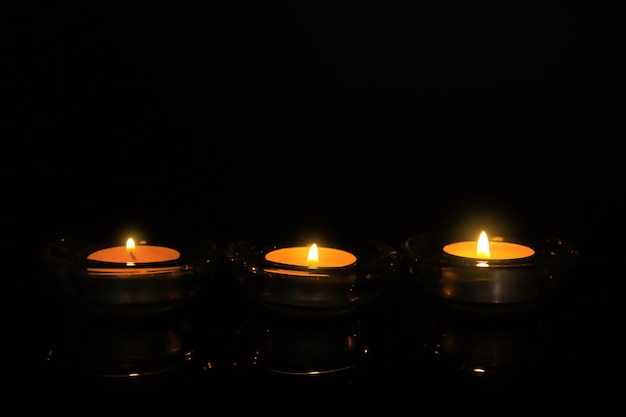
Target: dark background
{"x":255,"y":119}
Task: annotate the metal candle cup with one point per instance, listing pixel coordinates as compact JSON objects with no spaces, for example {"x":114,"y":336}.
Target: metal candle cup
{"x":496,"y":284}
{"x":306,"y":288}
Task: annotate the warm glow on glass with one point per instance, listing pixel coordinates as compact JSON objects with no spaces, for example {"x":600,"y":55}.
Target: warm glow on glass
{"x":311,"y":256}
{"x":131,"y":254}
{"x":486,"y":249}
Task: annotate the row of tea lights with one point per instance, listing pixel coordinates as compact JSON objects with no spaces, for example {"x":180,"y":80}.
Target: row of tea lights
{"x":311,"y":256}
{"x":309,"y":279}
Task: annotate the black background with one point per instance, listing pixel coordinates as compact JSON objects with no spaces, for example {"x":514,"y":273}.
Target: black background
{"x":251,"y":119}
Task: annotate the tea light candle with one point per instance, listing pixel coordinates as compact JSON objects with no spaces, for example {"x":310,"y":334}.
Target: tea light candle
{"x":132,"y":254}
{"x":311,"y":280}
{"x":483,"y":249}
{"x":316,"y":283}
{"x":133,"y":278}
{"x":311,"y":256}
{"x":305,"y":275}
{"x":479,"y":275}
{"x":495,"y":277}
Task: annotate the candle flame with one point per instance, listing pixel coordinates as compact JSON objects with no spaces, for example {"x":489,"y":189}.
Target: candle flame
{"x":482,"y":247}
{"x":130,"y":248}
{"x":313,"y":257}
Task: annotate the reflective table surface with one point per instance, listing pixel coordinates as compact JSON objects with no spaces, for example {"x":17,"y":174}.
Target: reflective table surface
{"x":405,"y":346}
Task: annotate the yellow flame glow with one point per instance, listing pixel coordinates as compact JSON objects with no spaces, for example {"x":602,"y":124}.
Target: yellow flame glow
{"x":482,"y":247}
{"x":313,"y":256}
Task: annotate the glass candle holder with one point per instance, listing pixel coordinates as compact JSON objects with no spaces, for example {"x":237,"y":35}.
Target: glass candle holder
{"x":312,"y":290}
{"x":494,"y":284}
{"x":165,"y":272}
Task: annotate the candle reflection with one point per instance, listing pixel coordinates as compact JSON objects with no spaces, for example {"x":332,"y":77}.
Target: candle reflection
{"x":496,"y":349}
{"x":303,"y":348}
{"x":121,"y":355}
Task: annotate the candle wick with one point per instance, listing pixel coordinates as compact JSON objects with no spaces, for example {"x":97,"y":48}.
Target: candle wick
{"x":132,"y":255}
